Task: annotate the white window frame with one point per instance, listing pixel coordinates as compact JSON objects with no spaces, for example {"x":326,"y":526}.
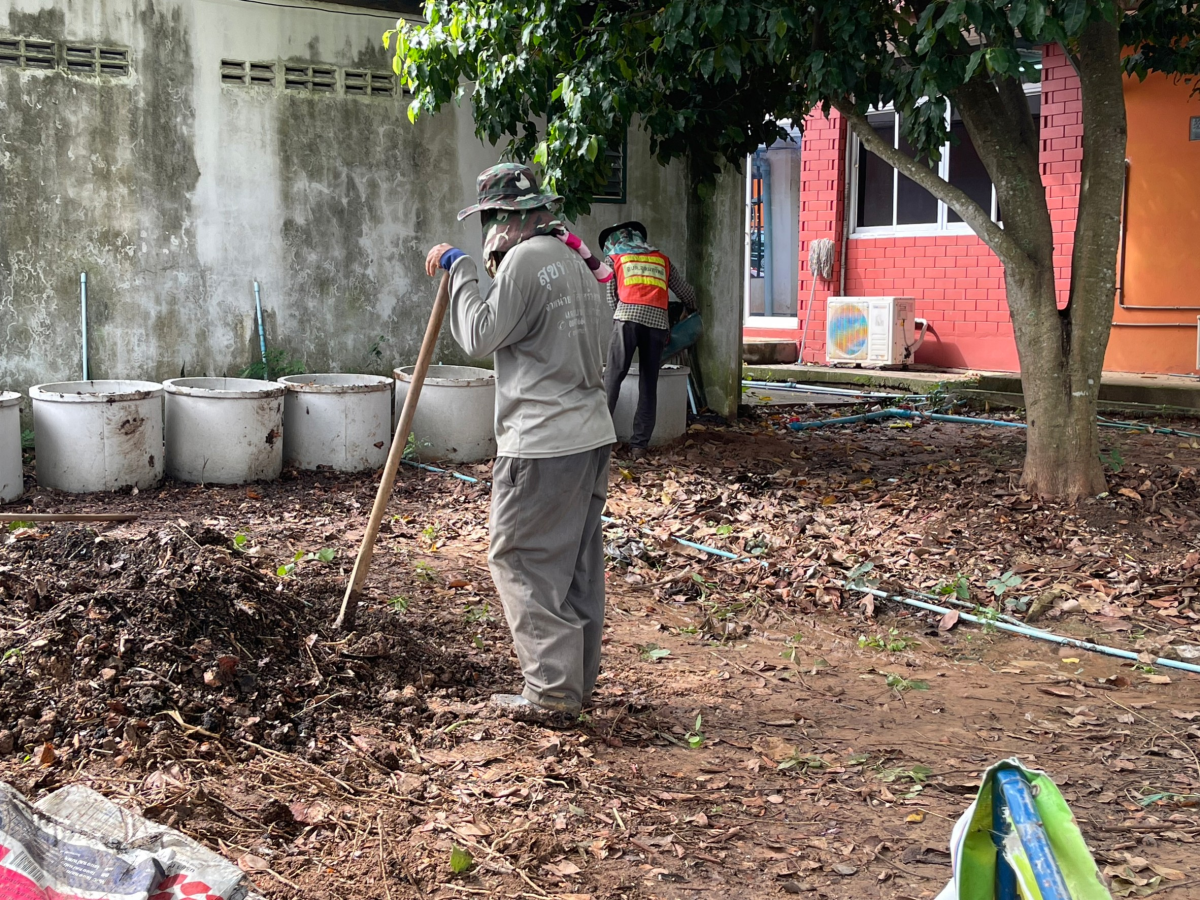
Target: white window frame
{"x":943,"y":226}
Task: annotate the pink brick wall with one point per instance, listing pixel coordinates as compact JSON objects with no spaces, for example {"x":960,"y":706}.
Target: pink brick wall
{"x":957,"y":281}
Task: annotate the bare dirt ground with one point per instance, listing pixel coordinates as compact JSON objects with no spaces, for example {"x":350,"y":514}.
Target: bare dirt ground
{"x":761,"y":730}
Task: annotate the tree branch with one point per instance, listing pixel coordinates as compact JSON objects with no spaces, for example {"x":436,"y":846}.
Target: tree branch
{"x":971,"y":212}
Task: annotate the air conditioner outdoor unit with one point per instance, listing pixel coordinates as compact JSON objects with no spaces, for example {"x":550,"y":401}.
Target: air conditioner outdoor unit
{"x":872,"y":331}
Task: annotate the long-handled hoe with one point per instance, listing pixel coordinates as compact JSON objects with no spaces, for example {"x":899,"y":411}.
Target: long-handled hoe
{"x":362,"y":564}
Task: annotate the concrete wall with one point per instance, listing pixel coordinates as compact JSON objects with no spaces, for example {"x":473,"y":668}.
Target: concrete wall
{"x":716,"y":260}
{"x":174,"y":192}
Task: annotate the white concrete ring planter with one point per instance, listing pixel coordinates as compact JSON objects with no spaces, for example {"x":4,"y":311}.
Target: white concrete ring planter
{"x":341,"y":421}
{"x":455,"y":419}
{"x":12,"y":479}
{"x":224,"y":430}
{"x":671,"y":420}
{"x":98,"y":435}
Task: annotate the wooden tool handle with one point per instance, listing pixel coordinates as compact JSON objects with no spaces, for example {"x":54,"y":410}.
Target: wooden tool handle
{"x":399,"y":440}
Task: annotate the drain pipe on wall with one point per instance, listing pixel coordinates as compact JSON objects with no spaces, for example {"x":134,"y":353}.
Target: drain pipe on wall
{"x":262,"y":335}
{"x":83,"y":320}
{"x":768,"y":239}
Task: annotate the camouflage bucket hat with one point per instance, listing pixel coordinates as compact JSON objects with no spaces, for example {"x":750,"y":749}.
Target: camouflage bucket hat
{"x":509,"y":186}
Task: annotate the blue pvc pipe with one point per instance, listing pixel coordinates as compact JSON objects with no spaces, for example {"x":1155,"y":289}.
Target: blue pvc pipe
{"x":1013,"y":792}
{"x":1006,"y":878}
{"x":262,"y":335}
{"x":416,"y":465}
{"x":1027,"y":631}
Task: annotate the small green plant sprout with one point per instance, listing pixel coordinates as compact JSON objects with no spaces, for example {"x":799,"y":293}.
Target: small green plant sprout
{"x":960,"y":587}
{"x":989,"y":615}
{"x":695,"y":738}
{"x":478,"y":642}
{"x":278,"y":364}
{"x":11,"y":653}
{"x":288,"y":570}
{"x":916,"y":776}
{"x":857,"y":577}
{"x":431,"y":533}
{"x":900,"y":684}
{"x":27,"y":440}
{"x":1006,"y":582}
{"x":460,"y":860}
{"x":792,"y":653}
{"x":1017,"y":604}
{"x":724,"y":530}
{"x":376,"y":349}
{"x":325,"y":555}
{"x":240,"y":542}
{"x":652,"y":653}
{"x":399,"y":603}
{"x":413,"y":448}
{"x":893,"y":641}
{"x":1113,"y":459}
{"x":425,"y":571}
{"x":477,"y":613}
{"x":802,"y":763}
{"x":17,"y":526}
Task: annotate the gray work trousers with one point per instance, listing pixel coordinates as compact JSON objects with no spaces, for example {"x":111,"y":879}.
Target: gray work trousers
{"x":547,"y":561}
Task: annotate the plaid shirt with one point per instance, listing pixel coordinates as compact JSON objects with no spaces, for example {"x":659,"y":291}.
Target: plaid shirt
{"x":651,"y":316}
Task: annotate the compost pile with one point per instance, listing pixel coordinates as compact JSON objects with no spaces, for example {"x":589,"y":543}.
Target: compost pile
{"x":110,"y":641}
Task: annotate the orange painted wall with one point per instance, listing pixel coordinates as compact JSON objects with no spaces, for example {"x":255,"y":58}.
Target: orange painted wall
{"x":1162,"y":244}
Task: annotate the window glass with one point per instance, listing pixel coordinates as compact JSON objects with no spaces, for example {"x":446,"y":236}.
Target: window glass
{"x":914,"y":204}
{"x":875,"y":177}
{"x":967,"y":172}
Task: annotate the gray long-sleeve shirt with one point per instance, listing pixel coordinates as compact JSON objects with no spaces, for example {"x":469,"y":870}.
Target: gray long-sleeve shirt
{"x":545,"y":321}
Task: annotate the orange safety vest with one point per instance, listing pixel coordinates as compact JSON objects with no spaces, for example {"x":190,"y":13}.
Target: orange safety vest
{"x":642,"y":278}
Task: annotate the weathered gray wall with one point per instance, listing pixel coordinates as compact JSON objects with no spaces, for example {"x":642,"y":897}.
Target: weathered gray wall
{"x":174,"y":192}
{"x":716,"y":257}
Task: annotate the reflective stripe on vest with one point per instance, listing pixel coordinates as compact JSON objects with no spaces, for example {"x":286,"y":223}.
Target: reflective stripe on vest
{"x":642,"y":278}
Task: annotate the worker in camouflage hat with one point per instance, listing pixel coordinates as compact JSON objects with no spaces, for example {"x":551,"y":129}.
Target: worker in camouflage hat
{"x":543,"y":319}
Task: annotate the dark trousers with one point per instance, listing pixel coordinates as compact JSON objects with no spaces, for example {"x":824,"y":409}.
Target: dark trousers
{"x":649,"y":344}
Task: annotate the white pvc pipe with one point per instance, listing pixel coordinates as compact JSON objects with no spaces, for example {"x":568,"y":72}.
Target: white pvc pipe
{"x":98,"y":435}
{"x":12,"y":477}
{"x":455,"y":417}
{"x":1028,"y":631}
{"x":224,"y":430}
{"x":340,"y":421}
{"x":83,"y":321}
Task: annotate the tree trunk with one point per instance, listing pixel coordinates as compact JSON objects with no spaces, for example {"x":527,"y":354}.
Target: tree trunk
{"x":1061,"y":350}
{"x":1060,"y":383}
{"x":1062,"y":361}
